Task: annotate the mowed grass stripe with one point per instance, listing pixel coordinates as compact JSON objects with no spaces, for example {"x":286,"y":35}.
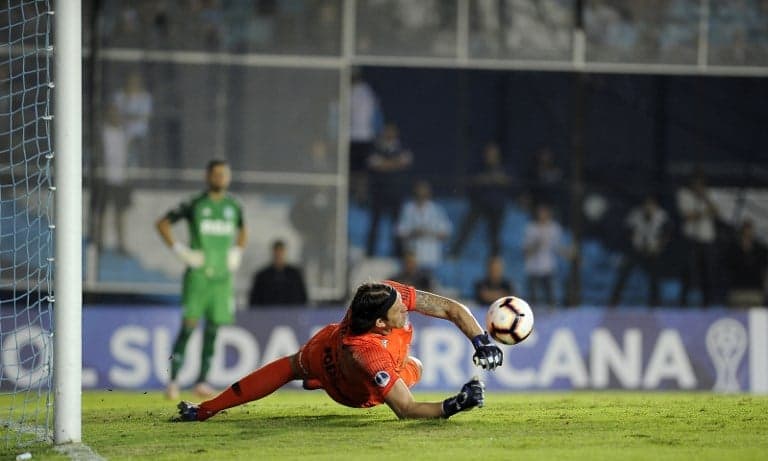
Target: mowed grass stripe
{"x":546,"y":426}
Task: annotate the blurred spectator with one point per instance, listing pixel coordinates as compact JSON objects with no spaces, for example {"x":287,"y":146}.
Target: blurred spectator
{"x":488,"y":189}
{"x":539,"y":25}
{"x":112,"y":187}
{"x":248,"y":26}
{"x":494,"y":285}
{"x":679,"y":32}
{"x":122,"y":25}
{"x":546,"y":178}
{"x":747,"y":265}
{"x":699,"y":214}
{"x":210,"y":22}
{"x":134,"y":103}
{"x":423,"y":227}
{"x":405,"y":27}
{"x":411,"y":274}
{"x":279,"y":283}
{"x":416,"y":15}
{"x":522,"y":28}
{"x":388,"y":165}
{"x":649,"y":233}
{"x":604,"y":23}
{"x":364,"y":114}
{"x":541,"y":244}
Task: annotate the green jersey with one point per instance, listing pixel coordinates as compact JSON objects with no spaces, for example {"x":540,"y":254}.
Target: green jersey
{"x":213,"y":228}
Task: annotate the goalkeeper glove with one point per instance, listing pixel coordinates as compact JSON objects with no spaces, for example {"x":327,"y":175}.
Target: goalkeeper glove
{"x":190,"y":257}
{"x":487,"y":355}
{"x":234,"y":258}
{"x":472,"y":395}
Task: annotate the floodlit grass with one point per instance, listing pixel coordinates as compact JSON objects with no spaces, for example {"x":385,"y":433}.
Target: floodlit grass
{"x":546,"y":426}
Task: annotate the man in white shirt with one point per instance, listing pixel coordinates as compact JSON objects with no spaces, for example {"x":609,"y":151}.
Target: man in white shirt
{"x":363,"y":106}
{"x":134,"y":103}
{"x":424,"y":227}
{"x":648,"y":226}
{"x":541,"y":244}
{"x":699,"y":214}
{"x":113,"y":186}
{"x":363,"y":112}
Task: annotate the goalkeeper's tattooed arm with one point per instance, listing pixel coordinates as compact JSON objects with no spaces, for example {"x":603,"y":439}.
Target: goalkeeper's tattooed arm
{"x":445,"y":308}
{"x":487,"y":355}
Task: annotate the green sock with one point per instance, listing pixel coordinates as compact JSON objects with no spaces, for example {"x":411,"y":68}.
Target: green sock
{"x":209,"y":340}
{"x":177,"y":358}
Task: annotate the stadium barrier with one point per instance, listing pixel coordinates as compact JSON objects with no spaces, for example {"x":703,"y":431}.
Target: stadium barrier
{"x":722,"y":350}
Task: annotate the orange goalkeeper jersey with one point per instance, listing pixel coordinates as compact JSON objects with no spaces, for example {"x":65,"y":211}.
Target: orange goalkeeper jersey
{"x":359,"y":370}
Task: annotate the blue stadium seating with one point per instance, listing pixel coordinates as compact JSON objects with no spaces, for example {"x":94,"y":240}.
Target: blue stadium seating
{"x":599,"y":265}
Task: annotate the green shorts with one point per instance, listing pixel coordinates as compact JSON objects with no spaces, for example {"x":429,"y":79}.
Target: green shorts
{"x":212,"y":300}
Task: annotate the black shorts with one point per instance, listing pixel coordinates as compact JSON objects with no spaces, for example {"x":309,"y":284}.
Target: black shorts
{"x":118,"y":195}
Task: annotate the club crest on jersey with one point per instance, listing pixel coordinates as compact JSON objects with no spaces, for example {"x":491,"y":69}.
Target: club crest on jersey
{"x":384,"y":342}
{"x":381,"y":378}
{"x":229,"y":213}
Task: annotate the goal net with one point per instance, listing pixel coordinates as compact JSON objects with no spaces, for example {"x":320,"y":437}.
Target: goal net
{"x":26,"y":230}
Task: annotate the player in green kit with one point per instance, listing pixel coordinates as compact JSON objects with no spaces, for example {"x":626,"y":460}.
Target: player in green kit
{"x":217,"y":236}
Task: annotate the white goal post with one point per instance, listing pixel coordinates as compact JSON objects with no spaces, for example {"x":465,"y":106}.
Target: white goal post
{"x":67,"y":344}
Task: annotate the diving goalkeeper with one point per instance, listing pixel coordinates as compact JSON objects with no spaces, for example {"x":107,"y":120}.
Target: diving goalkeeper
{"x":363,"y":361}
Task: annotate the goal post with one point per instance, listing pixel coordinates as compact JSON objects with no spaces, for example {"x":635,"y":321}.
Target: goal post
{"x":67,"y":344}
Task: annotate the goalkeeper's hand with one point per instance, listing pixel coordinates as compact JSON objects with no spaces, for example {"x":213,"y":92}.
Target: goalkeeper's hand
{"x":190,"y":257}
{"x":472,"y":395}
{"x":234,"y":258}
{"x":487,"y":354}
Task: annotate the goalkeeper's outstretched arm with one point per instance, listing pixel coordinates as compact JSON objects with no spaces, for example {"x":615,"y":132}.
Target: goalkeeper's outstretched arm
{"x":402,"y":403}
{"x":487,"y":354}
{"x":445,"y":308}
{"x":438,"y":306}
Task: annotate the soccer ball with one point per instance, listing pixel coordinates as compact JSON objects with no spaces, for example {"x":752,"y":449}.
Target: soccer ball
{"x":509,"y":320}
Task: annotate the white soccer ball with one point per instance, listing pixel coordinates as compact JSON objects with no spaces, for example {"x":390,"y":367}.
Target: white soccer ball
{"x":509,"y":320}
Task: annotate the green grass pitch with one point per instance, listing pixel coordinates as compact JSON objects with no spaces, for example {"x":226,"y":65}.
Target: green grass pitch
{"x":541,"y":426}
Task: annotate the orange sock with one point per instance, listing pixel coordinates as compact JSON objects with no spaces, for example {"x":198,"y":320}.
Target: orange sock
{"x":257,"y":385}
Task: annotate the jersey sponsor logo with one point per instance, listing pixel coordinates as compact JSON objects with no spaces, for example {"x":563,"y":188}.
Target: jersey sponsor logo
{"x":328,"y":363}
{"x":216,"y":227}
{"x":381,"y":378}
